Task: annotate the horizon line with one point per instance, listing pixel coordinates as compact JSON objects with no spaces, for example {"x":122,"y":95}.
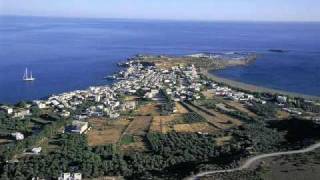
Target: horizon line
{"x":160,"y":19}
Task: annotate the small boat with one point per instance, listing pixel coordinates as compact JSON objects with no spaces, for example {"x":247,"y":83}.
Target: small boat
{"x":27,"y":76}
{"x":111,"y":77}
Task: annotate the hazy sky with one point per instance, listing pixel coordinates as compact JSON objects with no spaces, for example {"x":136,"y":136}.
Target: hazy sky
{"x":253,"y":10}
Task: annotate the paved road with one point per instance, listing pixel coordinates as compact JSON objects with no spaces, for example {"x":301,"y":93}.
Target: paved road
{"x":251,"y":160}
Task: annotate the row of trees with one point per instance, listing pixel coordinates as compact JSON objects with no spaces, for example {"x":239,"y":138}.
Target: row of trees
{"x":168,"y":154}
{"x":260,"y":137}
{"x":167,"y":107}
{"x":27,"y":124}
{"x":266,"y":110}
{"x":10,"y":150}
{"x":193,"y":117}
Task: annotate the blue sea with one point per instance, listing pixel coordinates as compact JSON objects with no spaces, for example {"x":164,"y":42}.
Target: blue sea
{"x":66,"y":54}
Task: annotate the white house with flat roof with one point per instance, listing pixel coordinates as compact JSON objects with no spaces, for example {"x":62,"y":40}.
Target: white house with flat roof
{"x":18,"y":136}
{"x":8,"y":110}
{"x":70,"y":176}
{"x":79,"y":127}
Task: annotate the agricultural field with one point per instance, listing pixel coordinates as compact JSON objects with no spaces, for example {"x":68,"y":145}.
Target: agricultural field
{"x":221,"y":117}
{"x":225,"y":119}
{"x":219,"y":120}
{"x":183,"y":128}
{"x":150,"y":109}
{"x":139,"y":126}
{"x":104,"y":132}
{"x":162,"y":124}
{"x":131,"y":144}
{"x":282,"y":115}
{"x":165,"y":124}
{"x":181,"y":109}
{"x":132,"y":137}
{"x":201,"y":127}
{"x":240,"y":107}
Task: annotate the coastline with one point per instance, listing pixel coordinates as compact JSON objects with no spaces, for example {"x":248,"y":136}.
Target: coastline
{"x":253,"y":88}
{"x":209,"y":72}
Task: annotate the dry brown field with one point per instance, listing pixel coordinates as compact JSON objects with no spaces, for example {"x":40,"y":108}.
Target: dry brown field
{"x":201,"y":127}
{"x":139,"y":126}
{"x":104,"y":132}
{"x":183,"y":128}
{"x":151,"y":109}
{"x":219,"y":120}
{"x":283,"y":114}
{"x":240,"y":107}
{"x":163,"y":124}
{"x":181,"y":109}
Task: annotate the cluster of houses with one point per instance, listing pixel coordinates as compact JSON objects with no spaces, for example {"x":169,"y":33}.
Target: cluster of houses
{"x":103,"y":101}
{"x":180,"y":83}
{"x":70,"y":176}
{"x":187,"y":85}
{"x":234,"y":94}
{"x":16,"y":112}
{"x":97,"y":101}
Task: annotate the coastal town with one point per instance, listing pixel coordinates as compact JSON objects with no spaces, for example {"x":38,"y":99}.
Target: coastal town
{"x":159,"y":90}
{"x":172,"y":87}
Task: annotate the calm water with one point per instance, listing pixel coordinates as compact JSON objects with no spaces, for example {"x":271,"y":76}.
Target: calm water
{"x":69,"y":54}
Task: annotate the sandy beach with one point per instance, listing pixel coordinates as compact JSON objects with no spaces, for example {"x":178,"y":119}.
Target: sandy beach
{"x":253,"y":88}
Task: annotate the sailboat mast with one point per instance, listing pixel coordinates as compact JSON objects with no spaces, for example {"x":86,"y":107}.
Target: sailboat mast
{"x":25,"y":76}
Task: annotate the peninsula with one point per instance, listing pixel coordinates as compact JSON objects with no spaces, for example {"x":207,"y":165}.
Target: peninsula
{"x":164,"y":117}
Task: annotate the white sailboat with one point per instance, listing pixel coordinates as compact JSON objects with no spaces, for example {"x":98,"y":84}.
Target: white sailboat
{"x":27,"y":77}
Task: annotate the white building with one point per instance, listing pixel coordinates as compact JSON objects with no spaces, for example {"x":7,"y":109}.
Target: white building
{"x":8,"y":110}
{"x":65,"y":114}
{"x":36,"y":150}
{"x":18,"y":136}
{"x":79,"y":127}
{"x":129,"y":105}
{"x":114,"y":115}
{"x":282,"y":99}
{"x":70,"y":176}
{"x":21,"y":113}
{"x":40,"y":104}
